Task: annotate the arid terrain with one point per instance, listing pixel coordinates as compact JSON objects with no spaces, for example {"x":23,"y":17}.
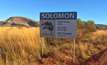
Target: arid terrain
{"x":53,"y":32}
{"x":22,"y":46}
{"x":97,"y":59}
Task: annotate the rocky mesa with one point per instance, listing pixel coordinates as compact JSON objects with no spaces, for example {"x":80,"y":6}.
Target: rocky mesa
{"x":19,"y":21}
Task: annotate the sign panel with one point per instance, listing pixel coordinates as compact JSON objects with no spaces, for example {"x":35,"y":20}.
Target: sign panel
{"x":58,"y":24}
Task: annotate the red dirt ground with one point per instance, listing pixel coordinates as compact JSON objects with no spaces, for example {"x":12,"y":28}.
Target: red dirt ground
{"x":98,"y":59}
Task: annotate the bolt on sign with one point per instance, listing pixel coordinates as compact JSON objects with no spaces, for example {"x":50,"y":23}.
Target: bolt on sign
{"x":58,"y":24}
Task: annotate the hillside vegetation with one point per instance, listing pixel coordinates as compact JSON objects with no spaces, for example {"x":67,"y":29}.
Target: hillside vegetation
{"x":101,"y":26}
{"x":19,"y":21}
{"x":22,"y":45}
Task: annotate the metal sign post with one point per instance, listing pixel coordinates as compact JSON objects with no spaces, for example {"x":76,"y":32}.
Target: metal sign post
{"x":42,"y":46}
{"x":73,"y":50}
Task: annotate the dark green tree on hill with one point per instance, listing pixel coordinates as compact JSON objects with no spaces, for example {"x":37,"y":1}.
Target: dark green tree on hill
{"x":87,"y":25}
{"x":84,"y":28}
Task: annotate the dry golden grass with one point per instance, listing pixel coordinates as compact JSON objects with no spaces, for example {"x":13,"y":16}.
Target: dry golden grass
{"x":96,"y":43}
{"x":21,"y":46}
{"x":101,"y":32}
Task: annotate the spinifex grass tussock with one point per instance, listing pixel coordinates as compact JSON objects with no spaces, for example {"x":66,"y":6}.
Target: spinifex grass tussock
{"x":19,"y":45}
{"x":90,"y":44}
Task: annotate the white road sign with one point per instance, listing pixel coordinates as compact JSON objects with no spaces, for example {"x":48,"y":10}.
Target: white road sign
{"x":58,"y":24}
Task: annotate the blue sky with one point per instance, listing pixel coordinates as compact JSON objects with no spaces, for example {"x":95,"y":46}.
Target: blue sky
{"x":95,"y":10}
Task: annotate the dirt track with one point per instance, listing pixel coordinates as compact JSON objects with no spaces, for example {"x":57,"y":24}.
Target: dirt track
{"x":98,"y":59}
